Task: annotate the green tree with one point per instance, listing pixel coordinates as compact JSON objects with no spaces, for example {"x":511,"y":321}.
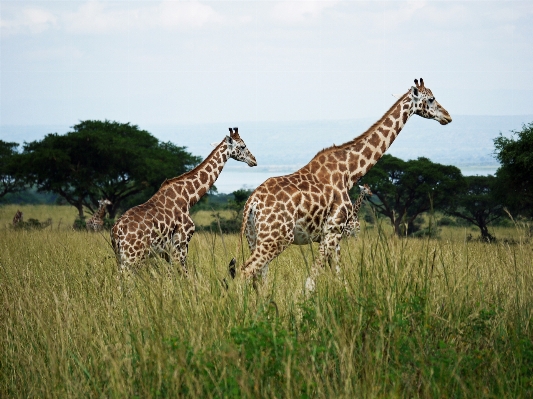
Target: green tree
{"x":10,"y":180}
{"x":103,"y":159}
{"x":477,"y":203}
{"x":515,"y":174}
{"x":405,"y":189}
{"x":239,"y":199}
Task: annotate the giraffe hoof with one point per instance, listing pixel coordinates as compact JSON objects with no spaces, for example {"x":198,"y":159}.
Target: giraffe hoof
{"x":231,"y":268}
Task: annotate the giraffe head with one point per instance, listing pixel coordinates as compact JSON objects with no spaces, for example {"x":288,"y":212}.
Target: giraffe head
{"x":366,"y":189}
{"x":425,"y":105}
{"x":237,"y":148}
{"x":104,"y":202}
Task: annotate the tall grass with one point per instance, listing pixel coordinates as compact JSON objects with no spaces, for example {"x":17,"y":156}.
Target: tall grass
{"x":407,"y":318}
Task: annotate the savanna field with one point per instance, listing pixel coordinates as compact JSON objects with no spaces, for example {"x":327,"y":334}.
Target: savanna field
{"x":408,"y":317}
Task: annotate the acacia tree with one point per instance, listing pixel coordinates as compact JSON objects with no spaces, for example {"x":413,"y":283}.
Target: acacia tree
{"x":10,"y":180}
{"x":477,"y":203}
{"x":405,"y":189}
{"x":515,"y":174}
{"x":103,"y":159}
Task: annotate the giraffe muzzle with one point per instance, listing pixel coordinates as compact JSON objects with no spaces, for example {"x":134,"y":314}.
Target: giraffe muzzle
{"x":445,"y":119}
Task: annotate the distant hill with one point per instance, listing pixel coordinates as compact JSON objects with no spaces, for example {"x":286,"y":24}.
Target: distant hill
{"x":285,"y":146}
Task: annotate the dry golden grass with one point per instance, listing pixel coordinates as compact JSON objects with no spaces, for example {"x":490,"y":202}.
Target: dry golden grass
{"x":407,"y":318}
{"x":63,"y":216}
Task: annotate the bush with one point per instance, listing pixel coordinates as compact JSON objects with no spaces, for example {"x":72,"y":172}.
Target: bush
{"x":33,"y":224}
{"x":446,"y":221}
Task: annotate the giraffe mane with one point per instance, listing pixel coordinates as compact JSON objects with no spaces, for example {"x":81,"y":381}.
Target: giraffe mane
{"x":365,"y":133}
{"x":190,"y":172}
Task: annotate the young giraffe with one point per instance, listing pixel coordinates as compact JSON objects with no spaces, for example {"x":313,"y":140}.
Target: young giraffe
{"x":353,"y":224}
{"x":312,"y":204}
{"x":96,"y":222}
{"x":18,"y":218}
{"x":162,"y":224}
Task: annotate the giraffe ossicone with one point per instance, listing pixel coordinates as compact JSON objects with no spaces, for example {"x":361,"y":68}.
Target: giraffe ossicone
{"x":162,"y":225}
{"x":312,"y":204}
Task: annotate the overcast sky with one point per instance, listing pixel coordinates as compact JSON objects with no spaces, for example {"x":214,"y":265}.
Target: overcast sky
{"x":170,"y":62}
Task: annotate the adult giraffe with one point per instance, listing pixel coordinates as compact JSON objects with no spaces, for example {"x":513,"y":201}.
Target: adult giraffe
{"x":162,"y":224}
{"x":312,"y":204}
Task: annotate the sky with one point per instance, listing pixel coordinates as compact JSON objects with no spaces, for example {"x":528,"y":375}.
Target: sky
{"x":197,"y":62}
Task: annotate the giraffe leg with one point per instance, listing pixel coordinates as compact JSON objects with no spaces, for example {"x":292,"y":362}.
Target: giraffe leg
{"x":181,"y":241}
{"x":329,"y":252}
{"x":329,"y":248}
{"x":261,"y":256}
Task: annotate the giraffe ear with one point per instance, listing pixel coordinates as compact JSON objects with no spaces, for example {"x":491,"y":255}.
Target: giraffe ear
{"x":414,"y":91}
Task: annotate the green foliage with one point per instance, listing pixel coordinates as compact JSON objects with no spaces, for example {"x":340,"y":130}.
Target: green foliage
{"x":30,"y":196}
{"x":446,"y":221}
{"x":515,"y":173}
{"x":235,"y":203}
{"x":11,"y":180}
{"x":405,"y":189}
{"x":478,"y":203}
{"x":225,"y":225}
{"x":102,"y":160}
{"x":31,"y":224}
{"x":239,"y":199}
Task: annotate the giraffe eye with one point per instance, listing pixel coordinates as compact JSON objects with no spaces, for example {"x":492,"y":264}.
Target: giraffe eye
{"x":432,"y":99}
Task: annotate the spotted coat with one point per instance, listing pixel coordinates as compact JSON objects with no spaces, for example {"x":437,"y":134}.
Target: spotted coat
{"x":312,"y":204}
{"x":162,"y":224}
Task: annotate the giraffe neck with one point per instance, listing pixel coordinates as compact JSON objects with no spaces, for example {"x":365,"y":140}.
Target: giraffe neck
{"x":366,"y":149}
{"x":356,"y":157}
{"x":199,"y":180}
{"x":358,"y":202}
{"x":101,"y":211}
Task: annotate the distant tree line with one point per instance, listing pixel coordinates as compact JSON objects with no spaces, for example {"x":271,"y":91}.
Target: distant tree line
{"x":405,"y":189}
{"x":120,"y":162}
{"x":97,"y":159}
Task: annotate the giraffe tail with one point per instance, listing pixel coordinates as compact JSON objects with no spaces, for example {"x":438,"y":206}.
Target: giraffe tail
{"x":247,"y":213}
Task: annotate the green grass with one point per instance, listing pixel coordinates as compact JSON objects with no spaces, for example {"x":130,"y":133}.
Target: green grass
{"x":409,"y":318}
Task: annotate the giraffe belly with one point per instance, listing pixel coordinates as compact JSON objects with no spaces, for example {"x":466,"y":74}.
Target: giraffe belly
{"x":303,"y":236}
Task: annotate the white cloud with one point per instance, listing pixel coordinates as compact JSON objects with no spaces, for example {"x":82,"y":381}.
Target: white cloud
{"x":95,"y":17}
{"x":184,"y":15}
{"x":405,"y":12}
{"x":101,"y":17}
{"x":29,"y":19}
{"x":296,"y":12}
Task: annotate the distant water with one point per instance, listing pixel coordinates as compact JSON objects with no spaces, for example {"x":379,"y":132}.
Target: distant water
{"x":232,"y":179}
{"x":283,"y":147}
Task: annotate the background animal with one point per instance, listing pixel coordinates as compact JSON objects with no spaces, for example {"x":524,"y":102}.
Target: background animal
{"x":18,"y":218}
{"x":96,"y":222}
